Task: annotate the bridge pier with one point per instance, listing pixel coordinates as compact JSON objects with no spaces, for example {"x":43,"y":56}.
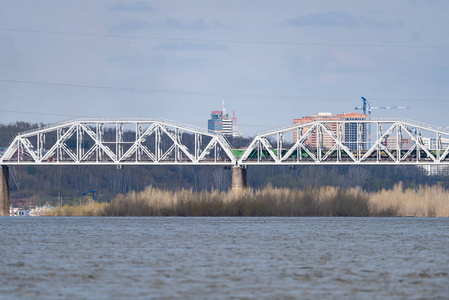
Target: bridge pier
{"x":4,"y":191}
{"x":239,"y":181}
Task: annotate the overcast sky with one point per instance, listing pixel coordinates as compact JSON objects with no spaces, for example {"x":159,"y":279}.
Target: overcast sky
{"x":270,"y":61}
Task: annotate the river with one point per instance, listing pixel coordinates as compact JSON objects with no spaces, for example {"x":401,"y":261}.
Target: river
{"x":223,"y":258}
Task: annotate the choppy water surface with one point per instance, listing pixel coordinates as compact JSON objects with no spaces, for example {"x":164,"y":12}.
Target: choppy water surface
{"x":221,"y":258}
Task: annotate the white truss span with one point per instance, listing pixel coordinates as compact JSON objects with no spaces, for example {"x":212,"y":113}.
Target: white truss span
{"x":362,"y":141}
{"x":158,"y":141}
{"x":118,"y":142}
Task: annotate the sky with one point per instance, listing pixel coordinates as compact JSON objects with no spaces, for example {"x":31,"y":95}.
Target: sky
{"x":269,"y":61}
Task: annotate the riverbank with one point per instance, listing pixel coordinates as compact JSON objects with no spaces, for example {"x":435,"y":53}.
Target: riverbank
{"x":424,"y":201}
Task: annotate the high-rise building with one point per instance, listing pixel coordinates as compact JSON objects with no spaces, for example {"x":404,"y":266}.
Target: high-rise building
{"x":215,"y":123}
{"x":221,"y":123}
{"x":226,"y":126}
{"x":349,"y":130}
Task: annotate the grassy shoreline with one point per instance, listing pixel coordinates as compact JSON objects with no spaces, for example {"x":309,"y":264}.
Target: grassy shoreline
{"x":424,"y":201}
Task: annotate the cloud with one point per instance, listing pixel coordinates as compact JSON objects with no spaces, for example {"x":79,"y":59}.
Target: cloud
{"x":325,"y":19}
{"x":198,"y":25}
{"x":334,"y":78}
{"x":169,"y":23}
{"x":155,"y":61}
{"x":190,"y":46}
{"x":377,"y":24}
{"x":139,"y":6}
{"x":131,"y":25}
{"x":154,"y":64}
{"x":335,"y":19}
{"x":431,"y":2}
{"x":339,"y":59}
{"x":416,"y":37}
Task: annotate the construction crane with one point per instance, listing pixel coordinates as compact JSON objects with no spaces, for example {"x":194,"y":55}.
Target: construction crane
{"x":366,"y":107}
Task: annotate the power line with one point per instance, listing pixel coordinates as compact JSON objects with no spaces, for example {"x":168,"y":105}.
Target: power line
{"x":219,"y":40}
{"x":95,"y":86}
{"x":78,"y":116}
{"x":232,"y":95}
{"x":36,"y":113}
{"x":135,"y":89}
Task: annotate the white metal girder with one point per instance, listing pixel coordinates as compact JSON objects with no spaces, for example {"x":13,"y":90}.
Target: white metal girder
{"x":445,"y":153}
{"x":339,"y":143}
{"x":254,"y":143}
{"x":59,"y":142}
{"x":137,"y":145}
{"x":100,"y":146}
{"x":419,"y":142}
{"x":300,"y":143}
{"x":378,"y":143}
{"x":178,"y":144}
{"x":268,"y":147}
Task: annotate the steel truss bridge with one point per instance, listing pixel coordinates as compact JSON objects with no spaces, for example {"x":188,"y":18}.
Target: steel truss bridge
{"x":163,"y":142}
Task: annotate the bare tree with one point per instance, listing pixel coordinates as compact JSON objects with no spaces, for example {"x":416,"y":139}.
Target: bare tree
{"x":220,"y":178}
{"x":357,"y":176}
{"x":14,"y":176}
{"x":79,"y":178}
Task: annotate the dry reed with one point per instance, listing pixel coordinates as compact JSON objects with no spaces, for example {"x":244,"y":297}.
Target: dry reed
{"x":326,"y":201}
{"x":425,"y":201}
{"x":82,"y":210}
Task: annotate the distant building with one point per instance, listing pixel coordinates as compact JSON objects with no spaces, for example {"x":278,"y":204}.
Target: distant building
{"x":227,"y":126}
{"x":349,"y":130}
{"x":215,"y":123}
{"x":221,"y":123}
{"x":392,"y":143}
{"x":431,"y":144}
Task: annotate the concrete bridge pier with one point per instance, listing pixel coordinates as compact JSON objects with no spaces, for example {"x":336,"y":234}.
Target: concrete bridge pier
{"x":4,"y":191}
{"x":239,"y":181}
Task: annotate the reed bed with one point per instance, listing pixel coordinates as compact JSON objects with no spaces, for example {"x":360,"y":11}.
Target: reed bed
{"x":425,"y":201}
{"x":429,"y":201}
{"x":90,"y":209}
